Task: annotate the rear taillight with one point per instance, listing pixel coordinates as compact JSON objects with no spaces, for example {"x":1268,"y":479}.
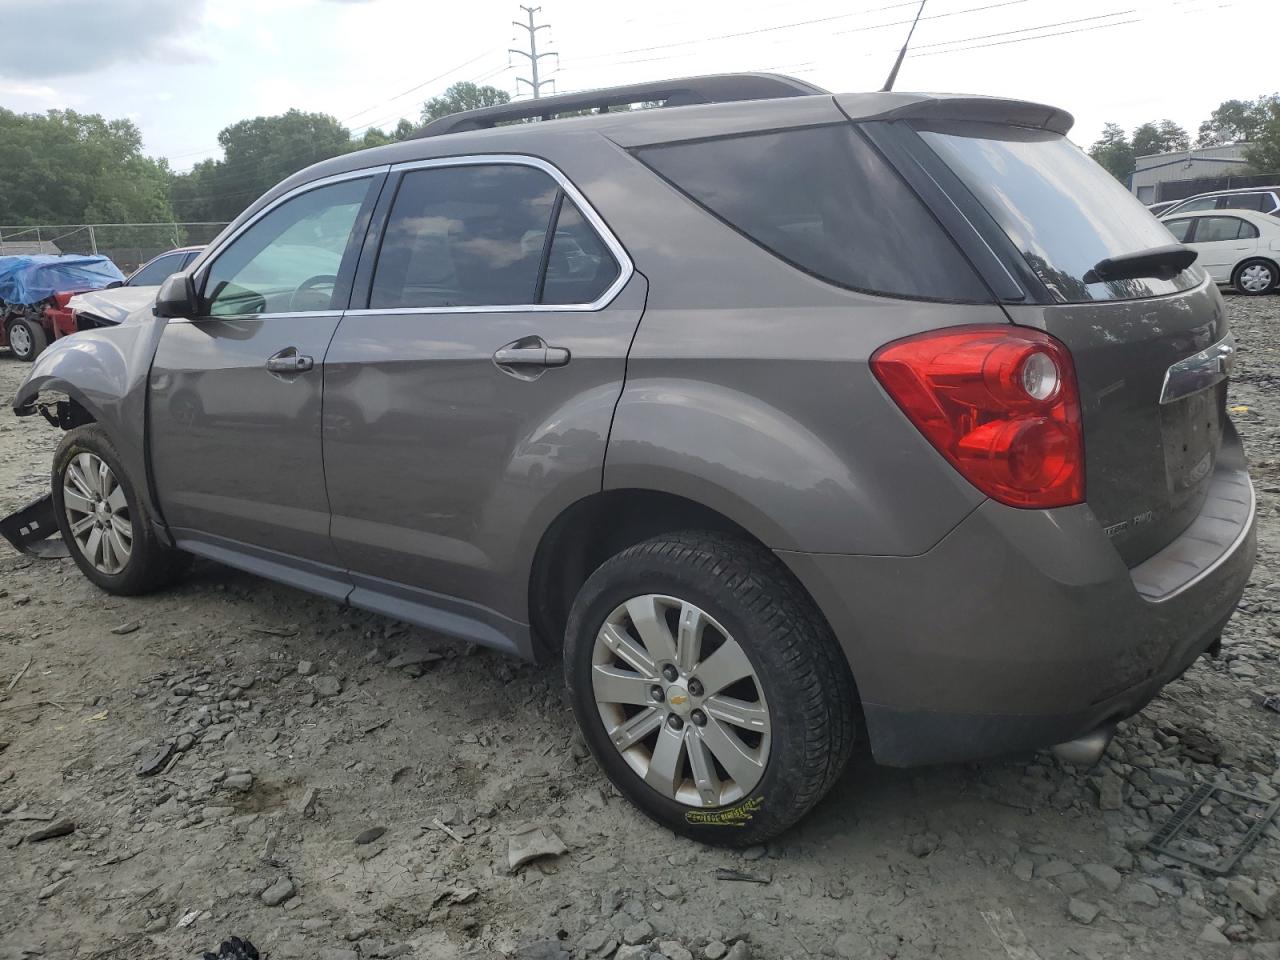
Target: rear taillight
{"x":1000,"y":403}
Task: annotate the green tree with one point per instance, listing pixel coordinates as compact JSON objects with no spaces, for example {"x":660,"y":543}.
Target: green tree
{"x":1263,"y":154}
{"x":463,"y":96}
{"x":377,"y":137}
{"x":1114,"y":152}
{"x":1163,"y":137}
{"x":68,"y":167}
{"x":1236,"y":121}
{"x":257,"y":154}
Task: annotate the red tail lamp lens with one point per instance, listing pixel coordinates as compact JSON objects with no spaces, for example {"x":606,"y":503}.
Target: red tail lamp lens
{"x":1000,"y":403}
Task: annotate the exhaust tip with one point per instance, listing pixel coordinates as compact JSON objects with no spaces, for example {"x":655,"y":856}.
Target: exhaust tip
{"x":1087,"y":750}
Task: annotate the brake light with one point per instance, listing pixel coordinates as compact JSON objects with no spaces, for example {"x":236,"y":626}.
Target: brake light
{"x":1000,"y":403}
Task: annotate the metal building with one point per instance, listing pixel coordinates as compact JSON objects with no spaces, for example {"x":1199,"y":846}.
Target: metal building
{"x":1184,"y":173}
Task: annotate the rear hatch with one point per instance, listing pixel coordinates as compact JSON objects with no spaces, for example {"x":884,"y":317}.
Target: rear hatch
{"x":1148,"y":463}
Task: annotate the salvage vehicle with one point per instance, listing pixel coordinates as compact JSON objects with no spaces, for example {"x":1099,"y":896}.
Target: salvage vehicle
{"x":785,"y":418}
{"x":109,"y":307}
{"x":34,"y":291}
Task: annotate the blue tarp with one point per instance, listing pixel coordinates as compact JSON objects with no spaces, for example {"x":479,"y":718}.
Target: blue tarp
{"x":32,"y":279}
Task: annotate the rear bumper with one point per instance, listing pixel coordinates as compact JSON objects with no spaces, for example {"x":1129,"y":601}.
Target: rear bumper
{"x":1022,"y":628}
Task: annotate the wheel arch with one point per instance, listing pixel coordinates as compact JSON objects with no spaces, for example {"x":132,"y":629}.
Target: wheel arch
{"x":1272,"y":262}
{"x":103,"y":375}
{"x":594,"y":528}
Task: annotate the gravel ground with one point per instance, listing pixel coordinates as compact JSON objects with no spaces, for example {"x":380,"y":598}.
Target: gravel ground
{"x":335,"y":785}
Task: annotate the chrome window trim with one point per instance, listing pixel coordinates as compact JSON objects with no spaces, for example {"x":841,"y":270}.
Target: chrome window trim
{"x":625,"y":267}
{"x":202,"y":274}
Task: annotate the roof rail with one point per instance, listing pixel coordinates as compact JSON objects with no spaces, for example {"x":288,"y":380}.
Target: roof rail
{"x":716,"y":88}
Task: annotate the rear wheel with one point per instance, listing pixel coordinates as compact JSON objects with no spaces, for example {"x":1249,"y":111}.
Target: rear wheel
{"x":1253,"y":278}
{"x":103,"y":520}
{"x":709,"y":687}
{"x":27,"y":339}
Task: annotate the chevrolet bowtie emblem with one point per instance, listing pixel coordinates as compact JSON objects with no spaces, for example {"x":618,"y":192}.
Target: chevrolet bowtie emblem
{"x":678,"y":698}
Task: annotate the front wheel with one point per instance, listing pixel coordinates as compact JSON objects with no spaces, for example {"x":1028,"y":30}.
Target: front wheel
{"x":27,"y":339}
{"x":709,"y":687}
{"x":103,"y":521}
{"x":1253,"y":278}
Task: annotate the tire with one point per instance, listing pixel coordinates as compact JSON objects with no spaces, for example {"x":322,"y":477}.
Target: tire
{"x":27,"y":339}
{"x":149,"y":565}
{"x":1254,"y":278}
{"x":801,"y":686}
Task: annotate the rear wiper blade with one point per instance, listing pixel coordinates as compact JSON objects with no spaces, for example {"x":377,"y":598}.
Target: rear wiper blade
{"x":1163,"y":263}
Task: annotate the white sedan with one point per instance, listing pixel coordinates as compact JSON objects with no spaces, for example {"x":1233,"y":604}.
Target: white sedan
{"x":1239,"y":247}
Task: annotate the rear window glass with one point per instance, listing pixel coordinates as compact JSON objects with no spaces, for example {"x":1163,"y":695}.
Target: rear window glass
{"x":1063,"y":211}
{"x":822,"y":199}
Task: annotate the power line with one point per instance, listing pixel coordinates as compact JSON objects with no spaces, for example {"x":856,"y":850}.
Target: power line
{"x":758,"y":30}
{"x":414,"y":89}
{"x":1043,"y":36}
{"x":532,"y":53}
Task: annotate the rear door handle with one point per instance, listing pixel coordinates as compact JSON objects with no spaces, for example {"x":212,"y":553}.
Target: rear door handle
{"x":531,"y":352}
{"x":289,"y":360}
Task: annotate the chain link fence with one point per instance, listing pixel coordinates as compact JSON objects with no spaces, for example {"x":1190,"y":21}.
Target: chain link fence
{"x":129,"y":245}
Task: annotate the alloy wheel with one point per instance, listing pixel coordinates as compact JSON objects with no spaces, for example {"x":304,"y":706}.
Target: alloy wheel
{"x":20,"y":339}
{"x":1256,"y":278}
{"x":97,"y":513}
{"x":680,"y":701}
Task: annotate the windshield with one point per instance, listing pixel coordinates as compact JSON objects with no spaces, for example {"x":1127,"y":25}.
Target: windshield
{"x":1063,"y":211}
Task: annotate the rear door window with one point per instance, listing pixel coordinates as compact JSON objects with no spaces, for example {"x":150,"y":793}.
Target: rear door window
{"x":1204,"y":203}
{"x":1063,"y":211}
{"x":464,"y":236}
{"x":1217,"y":229}
{"x":823,"y":200}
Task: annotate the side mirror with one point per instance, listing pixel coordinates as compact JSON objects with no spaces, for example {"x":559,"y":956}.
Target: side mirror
{"x":177,"y":297}
{"x":114,"y":284}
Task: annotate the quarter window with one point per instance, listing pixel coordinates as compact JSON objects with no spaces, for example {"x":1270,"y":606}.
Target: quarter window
{"x":580,"y":267}
{"x":823,"y":200}
{"x":289,"y":260}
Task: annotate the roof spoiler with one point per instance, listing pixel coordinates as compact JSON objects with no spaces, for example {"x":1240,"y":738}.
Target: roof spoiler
{"x":1018,"y":113}
{"x":716,"y":88}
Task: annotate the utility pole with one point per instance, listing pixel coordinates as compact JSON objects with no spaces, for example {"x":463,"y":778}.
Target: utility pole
{"x":532,"y":53}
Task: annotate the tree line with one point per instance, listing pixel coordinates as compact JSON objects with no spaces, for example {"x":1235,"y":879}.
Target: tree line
{"x":67,"y":167}
{"x":1256,"y":122}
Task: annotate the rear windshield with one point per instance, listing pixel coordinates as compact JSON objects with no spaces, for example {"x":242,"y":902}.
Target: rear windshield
{"x":1063,"y":211}
{"x":822,"y":199}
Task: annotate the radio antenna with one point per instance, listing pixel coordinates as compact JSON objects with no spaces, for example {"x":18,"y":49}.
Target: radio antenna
{"x":893,"y":74}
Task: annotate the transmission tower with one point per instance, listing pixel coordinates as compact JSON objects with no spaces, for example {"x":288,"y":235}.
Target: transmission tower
{"x":535,"y":85}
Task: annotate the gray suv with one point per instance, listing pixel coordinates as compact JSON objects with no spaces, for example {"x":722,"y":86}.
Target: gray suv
{"x":787,"y":419}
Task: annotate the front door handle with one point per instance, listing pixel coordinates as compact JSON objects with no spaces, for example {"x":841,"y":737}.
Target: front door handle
{"x":289,"y":360}
{"x":531,"y":352}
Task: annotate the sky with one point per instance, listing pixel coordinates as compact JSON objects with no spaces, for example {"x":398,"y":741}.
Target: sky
{"x":184,"y":69}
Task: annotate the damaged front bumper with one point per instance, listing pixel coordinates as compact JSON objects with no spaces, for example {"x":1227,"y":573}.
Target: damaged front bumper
{"x":34,"y":530}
